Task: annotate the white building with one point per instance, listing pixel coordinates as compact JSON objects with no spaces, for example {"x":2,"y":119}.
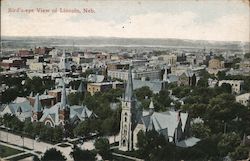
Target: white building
{"x":140,"y":73}
{"x":235,"y":84}
{"x":243,"y":99}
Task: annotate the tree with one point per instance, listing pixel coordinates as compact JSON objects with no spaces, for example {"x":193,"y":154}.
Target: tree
{"x":103,"y":148}
{"x":221,"y":75}
{"x":200,"y":130}
{"x":226,"y":88}
{"x":247,"y":55}
{"x":82,"y":155}
{"x":153,"y":146}
{"x":240,"y":153}
{"x":228,"y":143}
{"x":143,"y":92}
{"x":162,"y":100}
{"x":75,"y":98}
{"x":52,"y":155}
{"x":82,"y":129}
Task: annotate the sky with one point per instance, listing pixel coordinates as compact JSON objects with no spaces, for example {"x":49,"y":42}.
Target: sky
{"x":223,"y":20}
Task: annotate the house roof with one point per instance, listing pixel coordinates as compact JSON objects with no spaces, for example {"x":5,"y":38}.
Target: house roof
{"x":24,"y":106}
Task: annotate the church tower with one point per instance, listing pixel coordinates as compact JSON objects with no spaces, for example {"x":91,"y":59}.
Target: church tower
{"x":37,"y":112}
{"x":64,"y":109}
{"x":63,"y":62}
{"x":128,"y":117}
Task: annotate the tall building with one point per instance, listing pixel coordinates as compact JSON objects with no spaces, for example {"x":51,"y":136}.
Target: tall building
{"x":129,"y":117}
{"x":64,"y":108}
{"x":37,"y":112}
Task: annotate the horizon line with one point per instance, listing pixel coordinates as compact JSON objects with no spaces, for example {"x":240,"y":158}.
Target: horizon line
{"x":125,"y":38}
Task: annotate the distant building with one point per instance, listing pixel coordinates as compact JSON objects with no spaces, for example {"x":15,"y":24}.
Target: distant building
{"x":25,"y":53}
{"x":92,"y":88}
{"x":38,"y":67}
{"x":215,"y":64}
{"x":45,"y":99}
{"x":139,"y":73}
{"x":12,"y":62}
{"x":245,"y":64}
{"x":43,"y":50}
{"x":236,"y":85}
{"x":187,"y":78}
{"x":243,"y":99}
{"x":154,"y":86}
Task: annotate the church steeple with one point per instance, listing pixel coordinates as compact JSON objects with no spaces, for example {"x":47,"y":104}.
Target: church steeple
{"x":151,"y":107}
{"x":64,"y":111}
{"x":129,"y":88}
{"x":63,"y":97}
{"x":37,"y":112}
{"x":37,"y":104}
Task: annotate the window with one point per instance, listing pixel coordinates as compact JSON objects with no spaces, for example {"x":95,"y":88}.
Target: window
{"x":124,"y":142}
{"x":125,"y":119}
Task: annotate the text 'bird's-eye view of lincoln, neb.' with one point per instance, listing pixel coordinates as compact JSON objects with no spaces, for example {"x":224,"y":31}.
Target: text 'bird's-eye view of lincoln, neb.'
{"x":125,"y":80}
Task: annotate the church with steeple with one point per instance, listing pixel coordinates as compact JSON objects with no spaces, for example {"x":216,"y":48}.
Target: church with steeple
{"x":129,"y":116}
{"x":61,"y":113}
{"x":173,"y":125}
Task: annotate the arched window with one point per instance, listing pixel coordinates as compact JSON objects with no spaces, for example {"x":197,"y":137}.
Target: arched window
{"x":124,"y":142}
{"x":125,"y":119}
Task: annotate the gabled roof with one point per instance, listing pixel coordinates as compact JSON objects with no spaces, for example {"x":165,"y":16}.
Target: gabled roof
{"x":51,"y":112}
{"x":166,"y":120}
{"x":20,"y":100}
{"x":25,"y":107}
{"x":81,"y":111}
{"x":81,"y":88}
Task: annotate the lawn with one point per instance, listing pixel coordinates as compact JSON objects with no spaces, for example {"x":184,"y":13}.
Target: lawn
{"x":7,"y":151}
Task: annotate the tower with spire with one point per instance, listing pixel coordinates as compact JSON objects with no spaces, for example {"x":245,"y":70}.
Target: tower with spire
{"x":64,"y":111}
{"x":128,"y":116}
{"x":37,"y":112}
{"x":63,"y":62}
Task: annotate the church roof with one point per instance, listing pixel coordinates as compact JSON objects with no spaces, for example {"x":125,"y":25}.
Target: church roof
{"x":81,"y":111}
{"x":81,"y":88}
{"x":51,"y":112}
{"x":165,"y":120}
{"x":151,"y":105}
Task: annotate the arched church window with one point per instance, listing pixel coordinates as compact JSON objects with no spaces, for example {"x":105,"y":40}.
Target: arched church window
{"x":124,"y":142}
{"x":125,"y":119}
{"x":126,"y":114}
